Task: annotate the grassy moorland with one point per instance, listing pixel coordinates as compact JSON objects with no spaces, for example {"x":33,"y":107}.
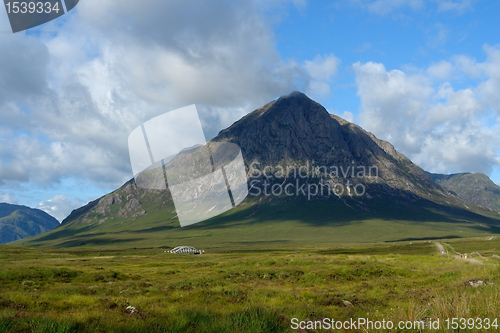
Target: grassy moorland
{"x":89,"y":290}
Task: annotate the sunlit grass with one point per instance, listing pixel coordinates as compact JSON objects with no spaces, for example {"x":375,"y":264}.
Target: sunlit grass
{"x":45,"y":290}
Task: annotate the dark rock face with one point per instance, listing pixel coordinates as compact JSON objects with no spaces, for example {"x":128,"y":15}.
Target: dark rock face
{"x":17,"y":222}
{"x":292,"y":128}
{"x":293,"y":131}
{"x":473,"y":188}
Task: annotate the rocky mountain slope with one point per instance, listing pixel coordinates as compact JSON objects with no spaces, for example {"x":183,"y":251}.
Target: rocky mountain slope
{"x":296,"y":133}
{"x":474,"y":188}
{"x":17,"y":222}
{"x":294,"y":130}
{"x":376,"y":192}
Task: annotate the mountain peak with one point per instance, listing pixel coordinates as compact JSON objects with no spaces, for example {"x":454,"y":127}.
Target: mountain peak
{"x":291,"y":127}
{"x":295,"y":129}
{"x":293,"y":110}
{"x":296,"y":95}
{"x":297,"y":102}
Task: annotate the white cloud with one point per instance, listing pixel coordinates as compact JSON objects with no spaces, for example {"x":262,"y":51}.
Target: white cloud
{"x":489,"y":71}
{"x":489,"y":89}
{"x":68,"y":102}
{"x":457,"y":106}
{"x":59,"y":206}
{"x":438,"y":127}
{"x":460,"y":148}
{"x":388,"y":98}
{"x":349,"y":116}
{"x":321,"y":70}
{"x":441,"y":70}
{"x":467,"y":65}
{"x":8,"y":198}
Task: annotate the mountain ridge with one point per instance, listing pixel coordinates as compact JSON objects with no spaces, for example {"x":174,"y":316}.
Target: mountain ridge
{"x":333,"y":143}
{"x":474,"y":188}
{"x":18,"y":222}
{"x":400,"y":202}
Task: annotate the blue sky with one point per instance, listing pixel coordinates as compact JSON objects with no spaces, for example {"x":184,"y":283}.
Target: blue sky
{"x":399,"y":38}
{"x":401,"y":35}
{"x":422,"y":74}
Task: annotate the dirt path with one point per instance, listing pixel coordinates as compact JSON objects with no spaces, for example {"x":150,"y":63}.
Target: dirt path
{"x":472,"y":260}
{"x":440,"y":247}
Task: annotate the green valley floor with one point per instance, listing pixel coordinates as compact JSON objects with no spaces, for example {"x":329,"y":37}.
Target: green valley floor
{"x":248,"y":290}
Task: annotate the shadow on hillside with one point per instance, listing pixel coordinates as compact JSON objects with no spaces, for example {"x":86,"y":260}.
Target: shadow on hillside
{"x":415,"y":249}
{"x":422,"y":239}
{"x":385,"y":204}
{"x":97,"y":241}
{"x":154,"y":229}
{"x":389,"y":205}
{"x":58,"y":233}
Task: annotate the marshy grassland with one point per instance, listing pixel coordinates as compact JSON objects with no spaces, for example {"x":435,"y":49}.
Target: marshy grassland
{"x":244,"y":290}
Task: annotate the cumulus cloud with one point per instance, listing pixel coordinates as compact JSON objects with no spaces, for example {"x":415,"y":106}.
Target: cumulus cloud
{"x":488,"y":71}
{"x":389,"y":99}
{"x":59,"y":206}
{"x":441,"y":70}
{"x":321,"y":70}
{"x":439,"y":127}
{"x":69,"y":101}
{"x":488,"y":89}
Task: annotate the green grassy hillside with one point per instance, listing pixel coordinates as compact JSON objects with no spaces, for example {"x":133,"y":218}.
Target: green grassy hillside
{"x":270,"y":223}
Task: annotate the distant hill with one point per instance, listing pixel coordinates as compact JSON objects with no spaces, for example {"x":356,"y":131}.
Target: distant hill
{"x":401,"y":201}
{"x":474,"y":188}
{"x":17,"y":222}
